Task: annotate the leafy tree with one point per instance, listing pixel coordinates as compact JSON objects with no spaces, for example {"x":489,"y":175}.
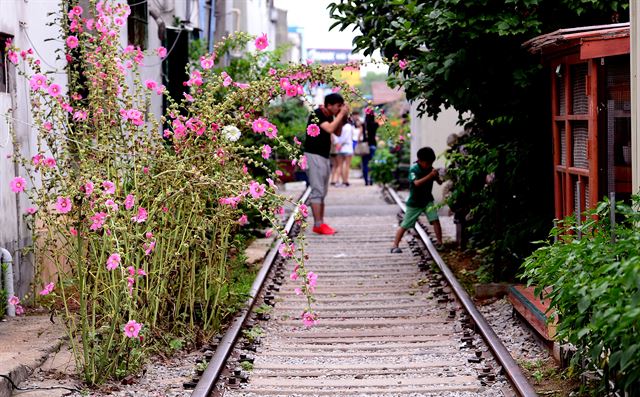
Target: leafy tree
{"x":468,"y":54}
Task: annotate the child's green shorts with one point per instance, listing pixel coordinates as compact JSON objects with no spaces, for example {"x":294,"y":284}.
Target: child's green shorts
{"x":412,"y":213}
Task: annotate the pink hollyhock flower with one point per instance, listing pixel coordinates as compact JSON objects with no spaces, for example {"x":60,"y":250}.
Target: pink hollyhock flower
{"x":150,"y":84}
{"x":188,"y":97}
{"x":279,"y":173}
{"x":129,"y":201}
{"x":245,"y":170}
{"x":309,"y":319}
{"x":312,"y":278}
{"x":76,"y":11}
{"x":13,"y":300}
{"x":111,"y":204}
{"x":304,"y":210}
{"x":88,"y":188}
{"x":260,"y":125}
{"x":403,"y":63}
{"x":141,"y":272}
{"x":294,"y":275}
{"x":31,"y":210}
{"x":296,"y":141}
{"x":298,"y":291}
{"x":272,"y":71}
{"x":37,"y":82}
{"x":132,"y":329}
{"x":119,"y":21}
{"x":73,"y":231}
{"x":313,"y":130}
{"x":50,"y":162}
{"x":63,"y":205}
{"x":54,"y":90}
{"x":284,"y":83}
{"x":47,"y":125}
{"x":303,"y":162}
{"x":206,"y":62}
{"x":37,"y":159}
{"x":80,"y":115}
{"x":98,"y":220}
{"x":47,"y":289}
{"x":270,"y":182}
{"x":145,"y":170}
{"x":256,"y":189}
{"x":108,"y":187}
{"x":368,"y":111}
{"x":19,"y":310}
{"x":279,"y":211}
{"x":72,"y":41}
{"x":268,"y":233}
{"x":241,"y":85}
{"x":148,"y":249}
{"x":336,"y":89}
{"x":131,"y":270}
{"x":292,"y":91}
{"x":286,"y":250}
{"x":18,"y":184}
{"x":243,"y":220}
{"x":272,"y":131}
{"x":161,"y":51}
{"x":262,"y":42}
{"x":266,"y":152}
{"x":141,"y":217}
{"x":227,"y":81}
{"x":148,"y":235}
{"x":13,"y":56}
{"x":113,"y":261}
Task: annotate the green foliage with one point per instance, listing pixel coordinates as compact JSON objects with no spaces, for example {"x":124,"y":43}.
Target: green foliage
{"x":594,"y":287}
{"x":468,"y":54}
{"x":382,"y":166}
{"x":253,"y":333}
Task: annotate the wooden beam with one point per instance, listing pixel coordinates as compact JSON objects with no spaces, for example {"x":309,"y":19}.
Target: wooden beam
{"x":604,"y":48}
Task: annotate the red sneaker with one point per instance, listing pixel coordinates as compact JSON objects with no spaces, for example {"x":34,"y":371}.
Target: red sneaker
{"x":323,"y":229}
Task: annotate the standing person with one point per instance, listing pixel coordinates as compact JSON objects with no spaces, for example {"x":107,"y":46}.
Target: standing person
{"x":421,"y":178}
{"x":345,"y":151}
{"x":370,"y":130}
{"x":330,"y":118}
{"x":357,"y":128}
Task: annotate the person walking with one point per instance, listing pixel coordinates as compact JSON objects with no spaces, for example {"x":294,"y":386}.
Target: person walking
{"x":370,"y":130}
{"x":329,"y":118}
{"x":345,"y":151}
{"x":421,"y":178}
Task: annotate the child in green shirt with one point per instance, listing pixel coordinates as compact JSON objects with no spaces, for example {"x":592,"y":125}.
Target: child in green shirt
{"x":421,"y":178}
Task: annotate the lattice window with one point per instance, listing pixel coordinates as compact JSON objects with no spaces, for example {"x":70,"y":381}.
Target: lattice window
{"x":563,"y":143}
{"x":580,"y":101}
{"x":580,"y":137}
{"x":562,"y":95}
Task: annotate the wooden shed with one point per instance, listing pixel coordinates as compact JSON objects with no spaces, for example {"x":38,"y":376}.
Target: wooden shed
{"x":591,"y":113}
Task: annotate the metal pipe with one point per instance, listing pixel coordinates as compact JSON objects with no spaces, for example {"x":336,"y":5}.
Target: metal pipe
{"x":511,"y":368}
{"x":579,"y":210}
{"x":162,"y":29}
{"x":212,"y":373}
{"x":612,"y":215}
{"x":7,"y":263}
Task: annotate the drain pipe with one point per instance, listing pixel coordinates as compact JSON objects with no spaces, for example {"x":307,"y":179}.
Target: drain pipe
{"x":7,"y":263}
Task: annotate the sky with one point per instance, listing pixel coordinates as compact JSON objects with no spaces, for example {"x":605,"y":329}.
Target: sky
{"x":313,"y":17}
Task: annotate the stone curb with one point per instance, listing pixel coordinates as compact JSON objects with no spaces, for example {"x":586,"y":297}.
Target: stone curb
{"x":21,"y":372}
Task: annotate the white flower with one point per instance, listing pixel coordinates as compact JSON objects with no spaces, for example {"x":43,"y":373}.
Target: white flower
{"x":231,"y":132}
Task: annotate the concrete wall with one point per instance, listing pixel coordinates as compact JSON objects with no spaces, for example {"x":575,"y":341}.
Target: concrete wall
{"x":425,"y":131}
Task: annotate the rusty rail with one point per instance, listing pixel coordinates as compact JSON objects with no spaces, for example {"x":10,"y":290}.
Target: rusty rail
{"x":500,"y":352}
{"x":214,"y":369}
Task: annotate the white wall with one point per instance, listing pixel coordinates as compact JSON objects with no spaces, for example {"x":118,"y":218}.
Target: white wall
{"x":25,"y":21}
{"x":425,"y":131}
{"x":635,"y":94}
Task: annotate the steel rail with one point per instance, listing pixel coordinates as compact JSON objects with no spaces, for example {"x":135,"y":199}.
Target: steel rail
{"x":500,"y":352}
{"x":214,"y":369}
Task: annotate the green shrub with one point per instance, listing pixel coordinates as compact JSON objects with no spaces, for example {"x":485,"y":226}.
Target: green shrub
{"x":594,"y":286}
{"x":383,"y":165}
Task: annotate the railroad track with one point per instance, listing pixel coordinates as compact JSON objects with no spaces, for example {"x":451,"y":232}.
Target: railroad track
{"x":390,"y":324}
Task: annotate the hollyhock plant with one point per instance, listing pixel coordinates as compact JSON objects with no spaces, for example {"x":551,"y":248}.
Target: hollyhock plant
{"x":14,"y":300}
{"x":187,"y":188}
